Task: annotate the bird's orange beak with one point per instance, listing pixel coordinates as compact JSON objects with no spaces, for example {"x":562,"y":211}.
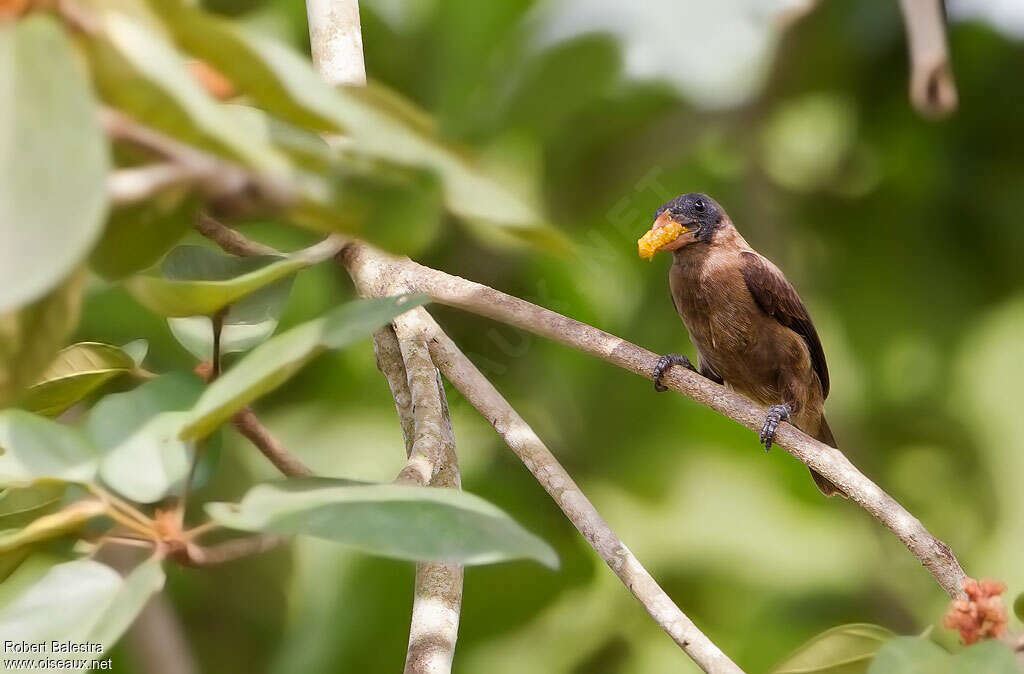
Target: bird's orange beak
{"x":665,"y":234}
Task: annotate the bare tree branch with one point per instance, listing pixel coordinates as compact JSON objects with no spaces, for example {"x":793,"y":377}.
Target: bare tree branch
{"x":437,"y":602}
{"x":394,"y":272}
{"x":430,"y":445}
{"x":389,"y":362}
{"x":525,"y":443}
{"x":377,"y":273}
{"x":932,"y":89}
{"x":427,"y":453}
{"x":336,"y":40}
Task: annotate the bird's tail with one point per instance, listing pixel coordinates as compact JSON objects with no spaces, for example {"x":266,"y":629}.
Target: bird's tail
{"x":824,"y":484}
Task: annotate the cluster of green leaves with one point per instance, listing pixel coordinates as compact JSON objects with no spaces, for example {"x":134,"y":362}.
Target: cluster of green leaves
{"x":135,"y":442}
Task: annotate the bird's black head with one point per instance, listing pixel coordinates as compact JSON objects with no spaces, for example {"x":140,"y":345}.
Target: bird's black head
{"x":695,"y":210}
{"x":691,"y":218}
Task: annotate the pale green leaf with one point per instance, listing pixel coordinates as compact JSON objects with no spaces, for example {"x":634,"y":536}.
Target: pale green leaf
{"x":77,"y":371}
{"x":137,"y":70}
{"x":137,"y":236}
{"x":53,"y":161}
{"x":910,"y":655}
{"x":199,"y":281}
{"x":136,"y":350}
{"x":142,"y":457}
{"x":991,"y":657}
{"x":847,"y":649}
{"x":82,"y":601}
{"x":376,"y":124}
{"x":21,"y":505}
{"x":247,"y":323}
{"x":34,"y":448}
{"x":28,"y":567}
{"x":30,"y":336}
{"x":55,"y":524}
{"x":403,"y":522}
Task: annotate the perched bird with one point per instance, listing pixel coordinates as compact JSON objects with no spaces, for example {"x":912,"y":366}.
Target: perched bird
{"x":750,"y":328}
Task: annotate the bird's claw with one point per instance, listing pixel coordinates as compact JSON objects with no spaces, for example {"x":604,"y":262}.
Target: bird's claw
{"x":776,"y":414}
{"x":664,"y":363}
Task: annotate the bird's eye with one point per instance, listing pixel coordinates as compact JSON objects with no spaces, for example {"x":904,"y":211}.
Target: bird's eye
{"x":699,"y":206}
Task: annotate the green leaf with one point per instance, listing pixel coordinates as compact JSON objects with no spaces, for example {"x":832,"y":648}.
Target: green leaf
{"x":53,"y":162}
{"x":150,"y":462}
{"x":21,"y":505}
{"x":35,"y":448}
{"x":273,"y":362}
{"x":403,"y":522}
{"x":378,"y":123}
{"x":305,"y":148}
{"x":137,"y":70}
{"x":55,"y":524}
{"x":1018,"y":606}
{"x":82,"y":602}
{"x":142,"y":457}
{"x":30,"y":336}
{"x":136,"y":350}
{"x":248,"y":322}
{"x":396,"y":207}
{"x":991,"y":657}
{"x":78,"y":370}
{"x":847,"y":649}
{"x":31,"y":566}
{"x":200,"y":281}
{"x":910,"y":655}
{"x":137,"y":236}
{"x":117,"y":416}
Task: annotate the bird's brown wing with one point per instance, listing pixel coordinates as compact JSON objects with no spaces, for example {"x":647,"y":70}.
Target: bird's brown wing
{"x":777,"y":297}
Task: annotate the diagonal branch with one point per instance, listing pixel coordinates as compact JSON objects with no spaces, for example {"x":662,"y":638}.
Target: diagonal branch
{"x":377,"y":273}
{"x":365,"y":261}
{"x":556,"y":481}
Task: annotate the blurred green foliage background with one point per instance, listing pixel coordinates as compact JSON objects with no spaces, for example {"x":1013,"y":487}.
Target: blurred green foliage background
{"x":903,"y":236}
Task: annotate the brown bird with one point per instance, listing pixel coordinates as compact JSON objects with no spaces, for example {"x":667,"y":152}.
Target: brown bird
{"x":751,"y":331}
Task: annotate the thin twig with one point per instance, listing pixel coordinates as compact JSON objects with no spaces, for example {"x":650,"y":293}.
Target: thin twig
{"x":245,"y":420}
{"x":366,"y":262}
{"x":228,"y":551}
{"x":248,"y":424}
{"x":230,"y":240}
{"x":932,"y":89}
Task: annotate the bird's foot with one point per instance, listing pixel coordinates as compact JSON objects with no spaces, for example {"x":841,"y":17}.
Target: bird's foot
{"x":664,"y":363}
{"x":776,"y":413}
